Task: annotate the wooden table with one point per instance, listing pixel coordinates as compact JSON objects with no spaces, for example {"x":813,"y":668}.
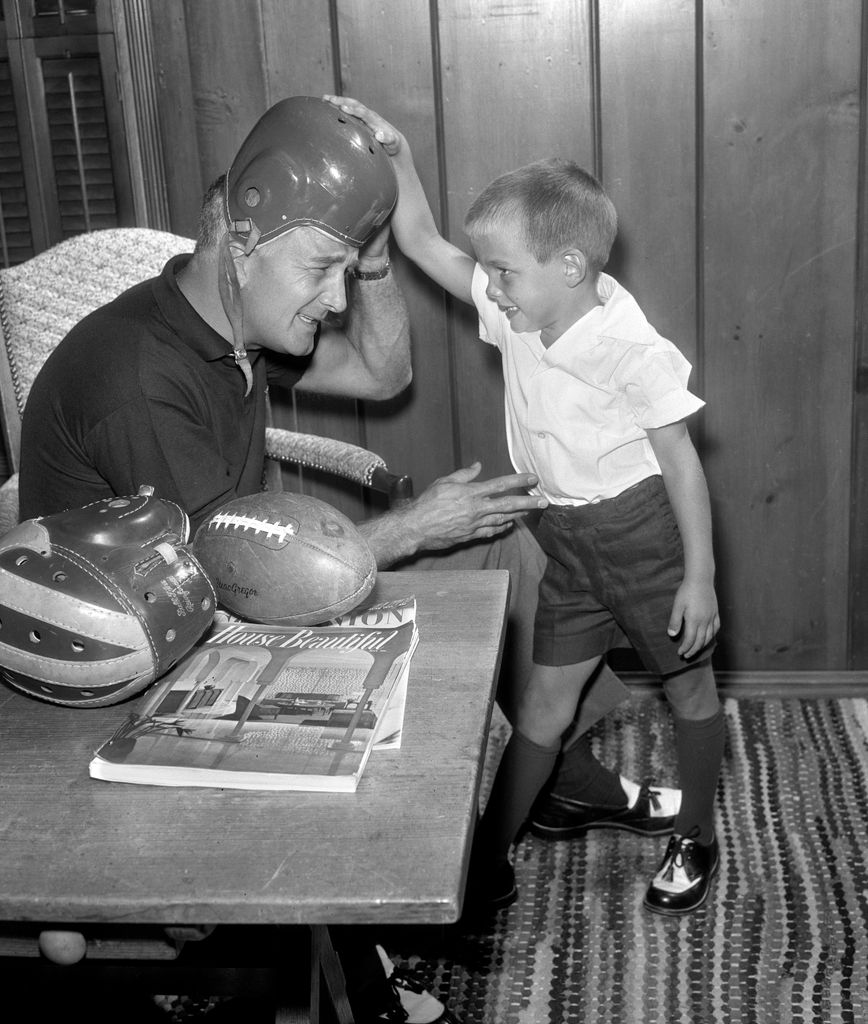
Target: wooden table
{"x":75,"y":850}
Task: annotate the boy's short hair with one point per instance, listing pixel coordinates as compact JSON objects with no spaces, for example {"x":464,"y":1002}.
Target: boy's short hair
{"x":559,"y":205}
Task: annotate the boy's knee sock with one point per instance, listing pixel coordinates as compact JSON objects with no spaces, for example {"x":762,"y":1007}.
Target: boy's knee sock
{"x":580,"y":776}
{"x":524,"y":769}
{"x":699,"y":746}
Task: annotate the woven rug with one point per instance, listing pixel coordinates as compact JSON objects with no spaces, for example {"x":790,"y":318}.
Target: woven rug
{"x":783,"y":937}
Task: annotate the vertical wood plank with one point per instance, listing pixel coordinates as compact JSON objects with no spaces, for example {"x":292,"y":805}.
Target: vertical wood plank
{"x":227,"y":69}
{"x":185,"y":182}
{"x":297,"y":43}
{"x":300,"y":61}
{"x":386,"y":61}
{"x":517,"y":86}
{"x":648,"y":166}
{"x":781,"y":146}
{"x":858,"y":581}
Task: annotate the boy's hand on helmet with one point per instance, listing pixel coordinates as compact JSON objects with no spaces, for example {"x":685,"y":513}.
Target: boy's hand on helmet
{"x":386,"y":134}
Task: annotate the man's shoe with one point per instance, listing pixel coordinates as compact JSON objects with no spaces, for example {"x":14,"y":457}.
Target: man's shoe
{"x":684,"y":879}
{"x":651,"y":813}
{"x":418,"y":1003}
{"x":415,"y":1002}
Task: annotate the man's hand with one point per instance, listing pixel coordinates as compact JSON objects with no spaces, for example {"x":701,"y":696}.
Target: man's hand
{"x":376,"y":250}
{"x":453,"y":510}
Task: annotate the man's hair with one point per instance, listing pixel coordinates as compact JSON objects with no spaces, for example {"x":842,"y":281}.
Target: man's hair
{"x":556,"y":204}
{"x":212,"y":223}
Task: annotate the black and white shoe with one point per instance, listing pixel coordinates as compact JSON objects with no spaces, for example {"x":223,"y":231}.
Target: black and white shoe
{"x":416,"y":1005}
{"x":649,"y":810}
{"x":683,"y":881}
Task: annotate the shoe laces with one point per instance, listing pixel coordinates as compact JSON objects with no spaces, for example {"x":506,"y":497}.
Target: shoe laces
{"x":653,"y":795}
{"x":399,"y":978}
{"x":683,"y":846}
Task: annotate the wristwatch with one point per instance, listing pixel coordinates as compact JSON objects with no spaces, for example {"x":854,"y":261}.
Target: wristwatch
{"x":372,"y":275}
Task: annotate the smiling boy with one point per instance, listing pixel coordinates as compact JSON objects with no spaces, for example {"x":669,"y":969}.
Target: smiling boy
{"x":596,"y":403}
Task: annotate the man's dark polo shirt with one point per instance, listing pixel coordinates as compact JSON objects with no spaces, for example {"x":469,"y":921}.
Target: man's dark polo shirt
{"x":143,"y":391}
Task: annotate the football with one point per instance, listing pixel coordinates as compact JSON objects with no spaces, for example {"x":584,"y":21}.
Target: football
{"x":285,"y":559}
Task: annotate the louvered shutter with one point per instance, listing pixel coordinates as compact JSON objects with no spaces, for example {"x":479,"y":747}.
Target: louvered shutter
{"x":84,"y":177}
{"x":61,"y":70}
{"x":16,"y":240}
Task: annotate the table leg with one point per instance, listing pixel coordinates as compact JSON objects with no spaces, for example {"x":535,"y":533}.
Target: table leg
{"x":324,"y":964}
{"x":324,"y":959}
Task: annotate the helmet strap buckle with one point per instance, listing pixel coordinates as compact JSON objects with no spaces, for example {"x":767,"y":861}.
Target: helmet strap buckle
{"x":247,"y":232}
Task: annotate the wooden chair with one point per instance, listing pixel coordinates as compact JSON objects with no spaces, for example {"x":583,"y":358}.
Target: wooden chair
{"x":41,"y":299}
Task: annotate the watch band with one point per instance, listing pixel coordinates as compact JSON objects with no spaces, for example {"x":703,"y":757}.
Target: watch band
{"x":372,"y":275}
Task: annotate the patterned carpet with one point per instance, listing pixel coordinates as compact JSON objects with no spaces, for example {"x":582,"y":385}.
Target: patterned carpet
{"x":783,"y":938}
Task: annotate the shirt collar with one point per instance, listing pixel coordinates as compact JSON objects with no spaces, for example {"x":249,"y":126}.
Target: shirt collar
{"x":184,"y":320}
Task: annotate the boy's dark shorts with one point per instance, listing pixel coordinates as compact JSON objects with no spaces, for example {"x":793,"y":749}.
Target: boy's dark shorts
{"x":613,"y":570}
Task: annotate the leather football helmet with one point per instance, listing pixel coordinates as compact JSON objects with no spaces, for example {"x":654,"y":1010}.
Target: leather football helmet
{"x":98,"y":602}
{"x":306,"y":163}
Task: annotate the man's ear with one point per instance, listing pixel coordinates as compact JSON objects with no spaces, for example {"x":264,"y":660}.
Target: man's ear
{"x":235,"y":255}
{"x":575,"y":267}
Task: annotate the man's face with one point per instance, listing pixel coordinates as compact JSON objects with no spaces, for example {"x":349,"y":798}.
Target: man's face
{"x":290,"y":285}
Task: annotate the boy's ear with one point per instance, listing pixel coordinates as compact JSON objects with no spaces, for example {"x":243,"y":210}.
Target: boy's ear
{"x":575,"y":267}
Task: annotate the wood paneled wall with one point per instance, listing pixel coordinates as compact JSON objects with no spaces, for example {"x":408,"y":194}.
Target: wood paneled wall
{"x":731,"y":136}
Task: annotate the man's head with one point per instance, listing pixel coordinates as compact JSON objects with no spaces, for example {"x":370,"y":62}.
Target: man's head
{"x":554,"y":205}
{"x":306,"y":163}
{"x":308,"y":188}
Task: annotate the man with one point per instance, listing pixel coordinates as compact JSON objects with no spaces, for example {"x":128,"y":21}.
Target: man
{"x":148,"y":390}
{"x":166,"y":385}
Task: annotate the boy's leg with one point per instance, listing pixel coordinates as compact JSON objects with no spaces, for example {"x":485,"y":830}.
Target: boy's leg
{"x":519,"y":553}
{"x":691,"y":860}
{"x":584,"y":794}
{"x":545,"y":710}
{"x":700,"y":735}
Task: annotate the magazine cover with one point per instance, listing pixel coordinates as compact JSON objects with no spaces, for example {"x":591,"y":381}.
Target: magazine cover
{"x":386,"y":613}
{"x":270,"y":707}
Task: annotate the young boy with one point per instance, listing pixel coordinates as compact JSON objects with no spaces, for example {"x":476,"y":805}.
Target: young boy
{"x":596,"y":402}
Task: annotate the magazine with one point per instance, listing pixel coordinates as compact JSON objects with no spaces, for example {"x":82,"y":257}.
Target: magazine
{"x":387,"y":613}
{"x":253,"y":706}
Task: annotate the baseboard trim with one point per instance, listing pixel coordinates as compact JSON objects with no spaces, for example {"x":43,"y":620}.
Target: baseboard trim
{"x":770,"y":684}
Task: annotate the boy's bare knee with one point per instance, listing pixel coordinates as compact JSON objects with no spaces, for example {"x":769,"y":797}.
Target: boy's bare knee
{"x":693,"y":692}
{"x":548,"y":703}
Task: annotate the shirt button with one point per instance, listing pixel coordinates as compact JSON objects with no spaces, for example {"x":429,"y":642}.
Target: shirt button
{"x":542,"y":434}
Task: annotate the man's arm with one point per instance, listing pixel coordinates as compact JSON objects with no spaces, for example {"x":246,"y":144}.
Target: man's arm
{"x":367,"y":357}
{"x":413,"y":222}
{"x":454,"y":509}
{"x":694,"y":611}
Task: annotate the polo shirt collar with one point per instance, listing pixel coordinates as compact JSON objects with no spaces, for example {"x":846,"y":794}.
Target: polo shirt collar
{"x":184,"y":320}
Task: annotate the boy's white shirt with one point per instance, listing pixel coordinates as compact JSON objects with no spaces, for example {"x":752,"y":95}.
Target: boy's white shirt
{"x":577,"y":412}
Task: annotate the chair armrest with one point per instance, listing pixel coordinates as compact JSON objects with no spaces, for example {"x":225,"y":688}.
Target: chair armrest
{"x":338,"y":457}
{"x":9,"y":504}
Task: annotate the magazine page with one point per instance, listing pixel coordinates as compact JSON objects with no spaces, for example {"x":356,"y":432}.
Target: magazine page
{"x":387,"y":613}
{"x":265,"y":707}
{"x":384,"y":613}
